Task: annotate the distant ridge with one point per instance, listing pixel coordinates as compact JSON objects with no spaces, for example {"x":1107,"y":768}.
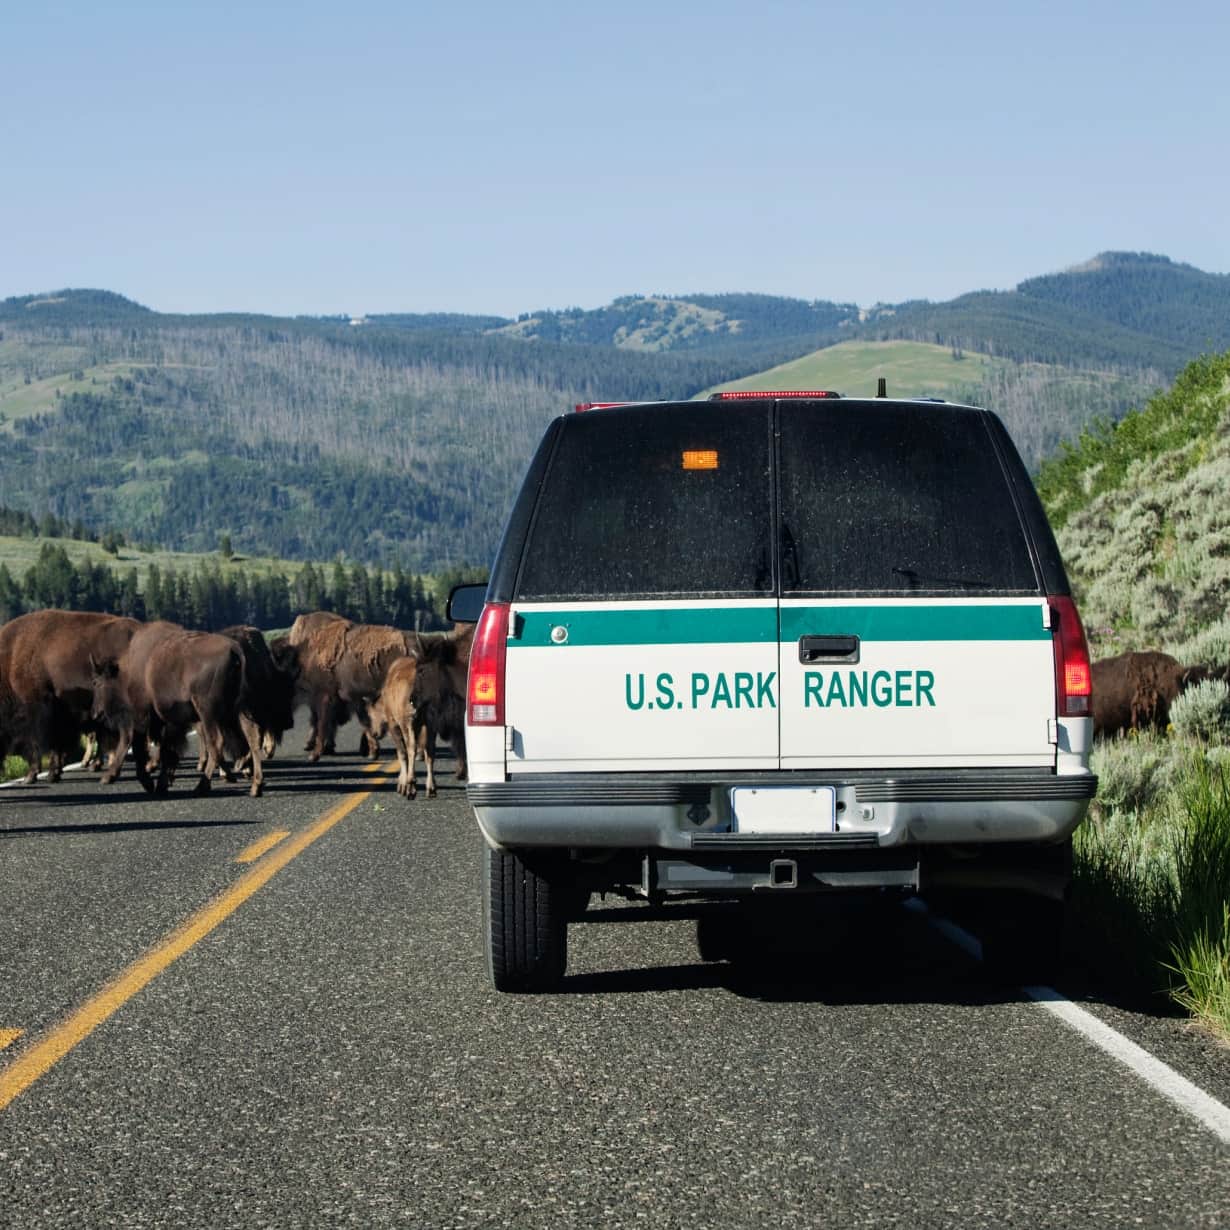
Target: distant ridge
{"x":399,"y":437}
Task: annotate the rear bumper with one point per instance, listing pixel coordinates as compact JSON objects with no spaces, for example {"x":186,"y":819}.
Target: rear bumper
{"x":691,"y":813}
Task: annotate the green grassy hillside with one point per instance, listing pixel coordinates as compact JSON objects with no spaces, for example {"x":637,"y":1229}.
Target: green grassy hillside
{"x":1041,"y":404}
{"x":1142,"y":511}
{"x":913,"y":369}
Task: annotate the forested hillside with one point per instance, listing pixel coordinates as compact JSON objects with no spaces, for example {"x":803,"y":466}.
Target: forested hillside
{"x":399,"y":439}
{"x":298,"y":438}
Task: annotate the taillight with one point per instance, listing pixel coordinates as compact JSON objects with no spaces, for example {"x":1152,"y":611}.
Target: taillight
{"x":1073,"y":675}
{"x":485,"y":688}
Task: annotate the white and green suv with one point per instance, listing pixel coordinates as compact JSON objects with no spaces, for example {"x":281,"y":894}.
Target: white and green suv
{"x":766,"y":646}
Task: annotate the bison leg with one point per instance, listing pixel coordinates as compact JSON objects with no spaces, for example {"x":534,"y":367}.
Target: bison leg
{"x":251,"y":732}
{"x":405,"y":775}
{"x":124,"y":739}
{"x":322,"y":728}
{"x":459,"y":754}
{"x":427,"y":741}
{"x":210,"y":738}
{"x":55,"y":765}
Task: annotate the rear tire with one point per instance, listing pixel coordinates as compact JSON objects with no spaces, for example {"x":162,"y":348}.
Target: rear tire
{"x":525,"y":908}
{"x":717,"y":936}
{"x":1022,"y":939}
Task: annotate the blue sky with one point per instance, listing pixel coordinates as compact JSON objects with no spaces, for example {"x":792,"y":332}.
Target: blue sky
{"x":480,"y":157}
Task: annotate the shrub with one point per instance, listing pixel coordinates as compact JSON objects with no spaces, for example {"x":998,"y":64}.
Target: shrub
{"x":1203,"y":712}
{"x":1128,"y":770}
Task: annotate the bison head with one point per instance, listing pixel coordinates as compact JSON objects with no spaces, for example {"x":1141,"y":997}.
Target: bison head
{"x":108,"y":700}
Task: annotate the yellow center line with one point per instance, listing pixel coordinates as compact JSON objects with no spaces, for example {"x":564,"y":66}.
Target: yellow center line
{"x":9,"y":1036}
{"x":58,"y":1041}
{"x":262,"y":845}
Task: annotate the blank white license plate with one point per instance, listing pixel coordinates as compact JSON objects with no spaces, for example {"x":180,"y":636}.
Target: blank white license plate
{"x":783,"y":809}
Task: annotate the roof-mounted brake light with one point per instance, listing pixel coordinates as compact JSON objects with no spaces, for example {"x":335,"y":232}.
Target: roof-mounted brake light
{"x":748,"y":394}
{"x":602,"y":405}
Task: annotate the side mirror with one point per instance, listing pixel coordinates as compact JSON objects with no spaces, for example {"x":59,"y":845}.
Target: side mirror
{"x":465,"y":603}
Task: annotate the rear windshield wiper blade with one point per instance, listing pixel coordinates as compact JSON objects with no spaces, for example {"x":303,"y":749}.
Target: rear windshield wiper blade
{"x":914,"y":579}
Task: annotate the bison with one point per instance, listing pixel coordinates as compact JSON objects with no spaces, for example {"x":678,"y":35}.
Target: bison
{"x":177,"y":680}
{"x":342,"y":667}
{"x":1134,"y":690}
{"x":317,"y":640}
{"x":270,"y":684}
{"x":423,"y":699}
{"x":46,"y":672}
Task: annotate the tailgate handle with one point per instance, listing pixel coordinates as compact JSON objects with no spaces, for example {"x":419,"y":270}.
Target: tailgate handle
{"x":828,"y":649}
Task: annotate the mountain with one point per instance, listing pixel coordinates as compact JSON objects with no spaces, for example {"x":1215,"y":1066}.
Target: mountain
{"x":399,"y":437}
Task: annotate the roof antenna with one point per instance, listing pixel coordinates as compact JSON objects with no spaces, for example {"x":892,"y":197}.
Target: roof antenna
{"x":882,"y":387}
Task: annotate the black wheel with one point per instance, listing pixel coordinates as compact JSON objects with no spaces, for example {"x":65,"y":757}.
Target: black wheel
{"x":716,"y":936}
{"x":1022,"y":938}
{"x":525,"y":910}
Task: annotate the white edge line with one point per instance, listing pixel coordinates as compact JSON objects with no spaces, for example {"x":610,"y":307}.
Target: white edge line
{"x":1213,"y":1114}
{"x":1190,"y":1097}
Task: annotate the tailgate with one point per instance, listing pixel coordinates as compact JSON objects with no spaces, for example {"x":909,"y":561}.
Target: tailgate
{"x":594,"y":687}
{"x":916,"y":683}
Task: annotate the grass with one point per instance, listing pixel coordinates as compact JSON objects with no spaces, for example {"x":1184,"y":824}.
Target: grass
{"x":21,"y":400}
{"x":20,"y":553}
{"x":1151,"y":888}
{"x":912,"y":369}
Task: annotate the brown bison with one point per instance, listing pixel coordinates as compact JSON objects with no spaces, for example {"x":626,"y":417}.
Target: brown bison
{"x":1134,"y":690}
{"x":317,"y":640}
{"x":369,"y":651}
{"x":423,"y":699}
{"x":342,"y":667}
{"x":397,"y":709}
{"x":270,"y":685}
{"x":177,"y":680}
{"x":46,"y":674}
{"x":438,"y":700}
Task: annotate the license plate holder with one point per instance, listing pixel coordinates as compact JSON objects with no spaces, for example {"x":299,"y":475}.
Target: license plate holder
{"x":776,"y":810}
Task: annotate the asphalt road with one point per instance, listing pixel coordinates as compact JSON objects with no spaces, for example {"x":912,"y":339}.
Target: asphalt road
{"x":325,"y":1049}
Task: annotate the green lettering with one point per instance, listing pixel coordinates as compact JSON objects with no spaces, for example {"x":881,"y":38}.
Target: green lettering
{"x":813,"y":681}
{"x":666,"y":691}
{"x":638,"y":701}
{"x":924,"y":682}
{"x":882,"y":689}
{"x":700,"y":687}
{"x":837,"y":694}
{"x":743,"y":690}
{"x":904,"y":681}
{"x":764,"y":690}
{"x":858,"y":687}
{"x":721,"y":692}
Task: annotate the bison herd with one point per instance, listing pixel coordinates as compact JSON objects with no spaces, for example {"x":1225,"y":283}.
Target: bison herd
{"x":128,"y":686}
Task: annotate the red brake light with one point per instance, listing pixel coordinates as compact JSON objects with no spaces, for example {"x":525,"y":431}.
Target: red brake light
{"x":485,"y":683}
{"x":600,"y":405}
{"x":748,"y":394}
{"x":1073,"y":674}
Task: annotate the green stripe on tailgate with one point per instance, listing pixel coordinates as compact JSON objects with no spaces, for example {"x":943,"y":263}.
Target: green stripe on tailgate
{"x":698,"y":625}
{"x":921,"y":622}
{"x":731,"y":625}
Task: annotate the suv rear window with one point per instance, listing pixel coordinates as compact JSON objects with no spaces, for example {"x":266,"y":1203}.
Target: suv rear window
{"x":623,"y":513}
{"x":889,"y":499}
